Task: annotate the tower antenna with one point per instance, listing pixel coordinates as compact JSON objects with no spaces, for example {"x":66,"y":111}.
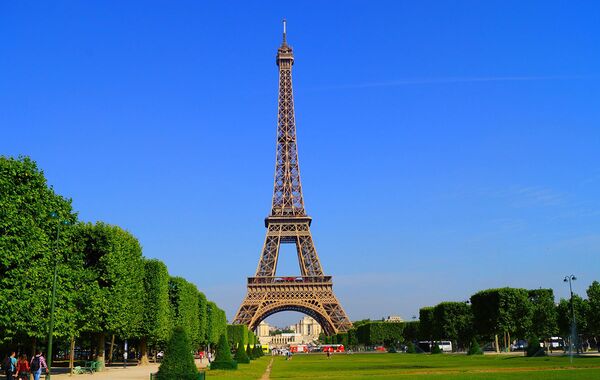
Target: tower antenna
{"x":284,"y":31}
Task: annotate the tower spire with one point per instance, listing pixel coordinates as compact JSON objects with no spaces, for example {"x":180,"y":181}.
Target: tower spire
{"x":284,"y":32}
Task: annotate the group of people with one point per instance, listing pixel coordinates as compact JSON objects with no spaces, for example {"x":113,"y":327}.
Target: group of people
{"x":22,"y":368}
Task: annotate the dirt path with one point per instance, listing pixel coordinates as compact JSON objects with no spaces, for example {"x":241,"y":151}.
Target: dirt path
{"x":267,"y":373}
{"x":114,"y":373}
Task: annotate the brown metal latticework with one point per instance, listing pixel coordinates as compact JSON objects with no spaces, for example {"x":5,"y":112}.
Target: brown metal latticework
{"x":312,"y":292}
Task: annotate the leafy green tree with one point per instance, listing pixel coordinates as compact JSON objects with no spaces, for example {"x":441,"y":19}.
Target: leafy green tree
{"x":202,"y":318}
{"x":213,"y":329}
{"x":117,"y":291}
{"x":411,"y":331}
{"x":223,"y":358}
{"x":544,"y":315}
{"x":581,"y":307}
{"x":178,"y":363}
{"x":426,"y":323}
{"x":503,"y":311}
{"x":184,"y":300}
{"x":453,"y":320}
{"x":593,"y":312}
{"x":156,"y":325}
{"x":237,"y":334}
{"x":387,"y":333}
{"x":29,"y":250}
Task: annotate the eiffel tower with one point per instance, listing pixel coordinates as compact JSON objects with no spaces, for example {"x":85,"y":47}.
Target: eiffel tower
{"x":310,"y":293}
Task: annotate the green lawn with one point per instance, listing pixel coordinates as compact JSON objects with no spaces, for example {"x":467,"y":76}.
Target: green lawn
{"x":422,"y":367}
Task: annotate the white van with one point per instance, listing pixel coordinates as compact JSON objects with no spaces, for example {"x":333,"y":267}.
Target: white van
{"x":445,"y":345}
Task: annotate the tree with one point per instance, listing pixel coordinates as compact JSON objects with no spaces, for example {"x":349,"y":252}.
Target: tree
{"x":544,"y":316}
{"x":202,"y":318}
{"x":426,"y":323}
{"x":184,"y":300}
{"x":581,"y":308}
{"x":117,"y":290}
{"x":503,"y":311}
{"x":28,"y":252}
{"x":411,"y":331}
{"x":223,"y":358}
{"x":156,"y":325}
{"x":593,"y":314}
{"x":374,"y":333}
{"x":250,"y":353}
{"x":453,"y":320}
{"x":178,"y":363}
{"x":237,"y":334}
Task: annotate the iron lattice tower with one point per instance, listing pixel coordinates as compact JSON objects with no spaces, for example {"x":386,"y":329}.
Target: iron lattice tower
{"x":312,"y":292}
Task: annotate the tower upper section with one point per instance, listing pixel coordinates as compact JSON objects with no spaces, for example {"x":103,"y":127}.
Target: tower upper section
{"x":287,"y":192}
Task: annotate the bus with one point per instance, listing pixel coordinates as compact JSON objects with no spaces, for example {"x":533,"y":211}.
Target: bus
{"x":332,"y":348}
{"x":295,"y":348}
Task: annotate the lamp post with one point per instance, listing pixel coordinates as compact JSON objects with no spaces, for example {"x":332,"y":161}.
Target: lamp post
{"x":570,"y":279}
{"x":53,"y":215}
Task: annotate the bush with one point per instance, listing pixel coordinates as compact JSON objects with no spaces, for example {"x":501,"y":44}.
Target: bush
{"x":178,"y":363}
{"x":410,"y":348}
{"x":474,"y":349}
{"x":240,"y":354}
{"x":533,"y":347}
{"x":223,"y":358}
{"x":436,"y":349}
{"x":250,"y":352}
{"x":258,"y":352}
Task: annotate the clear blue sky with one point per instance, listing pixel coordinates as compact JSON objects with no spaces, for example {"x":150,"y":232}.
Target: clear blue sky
{"x":445,"y":147}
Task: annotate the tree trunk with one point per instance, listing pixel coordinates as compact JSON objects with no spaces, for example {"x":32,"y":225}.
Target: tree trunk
{"x":509,"y":342}
{"x":71,"y":356}
{"x":33,"y":347}
{"x":144,"y":351}
{"x":101,"y":350}
{"x":110,"y":350}
{"x":497,"y":344}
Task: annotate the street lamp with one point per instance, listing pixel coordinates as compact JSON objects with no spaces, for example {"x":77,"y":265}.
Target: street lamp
{"x":570,"y":279}
{"x":53,"y":215}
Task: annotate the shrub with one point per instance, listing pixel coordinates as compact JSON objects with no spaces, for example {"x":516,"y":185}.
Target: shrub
{"x":258,"y":352}
{"x":436,"y":349}
{"x":474,"y":349}
{"x":223,"y":358}
{"x":392,"y":350}
{"x":178,"y":363}
{"x":250,"y":352}
{"x":240,"y":354}
{"x":533,"y":347}
{"x":410,"y":348}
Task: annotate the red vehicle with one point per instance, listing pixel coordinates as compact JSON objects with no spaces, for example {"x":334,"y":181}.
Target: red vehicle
{"x":298,"y":348}
{"x":333,"y":348}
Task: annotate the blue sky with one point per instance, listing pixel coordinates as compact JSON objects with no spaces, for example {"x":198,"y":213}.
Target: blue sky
{"x":445,"y":146}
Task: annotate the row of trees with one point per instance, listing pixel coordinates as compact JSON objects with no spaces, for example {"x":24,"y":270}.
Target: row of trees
{"x":105,"y":285}
{"x":498,"y":315}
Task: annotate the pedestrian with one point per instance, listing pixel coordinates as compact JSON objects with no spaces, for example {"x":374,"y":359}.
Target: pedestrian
{"x":328,"y":353}
{"x":23,"y":368}
{"x":10,"y":366}
{"x":37,"y":365}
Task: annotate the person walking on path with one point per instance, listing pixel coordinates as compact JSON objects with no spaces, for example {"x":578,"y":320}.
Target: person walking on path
{"x":38,"y":363}
{"x":10,"y":366}
{"x":23,"y":368}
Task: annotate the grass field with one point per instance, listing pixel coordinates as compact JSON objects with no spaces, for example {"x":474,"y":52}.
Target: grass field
{"x":421,"y":367}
